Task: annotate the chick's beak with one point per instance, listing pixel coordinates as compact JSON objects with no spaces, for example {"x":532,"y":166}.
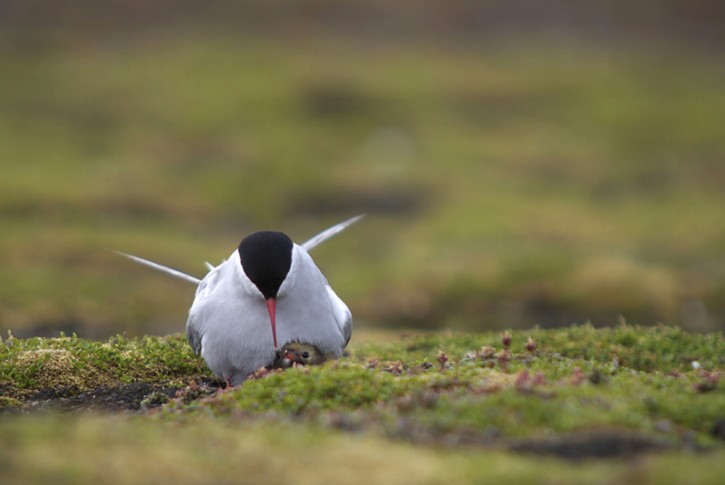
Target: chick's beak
{"x":271,"y":308}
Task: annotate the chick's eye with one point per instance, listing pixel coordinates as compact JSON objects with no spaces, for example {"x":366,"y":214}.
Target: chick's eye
{"x":305,"y":355}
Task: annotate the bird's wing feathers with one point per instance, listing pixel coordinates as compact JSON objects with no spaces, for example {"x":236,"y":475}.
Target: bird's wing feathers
{"x":307,"y":245}
{"x":193,"y":336}
{"x":328,"y":233}
{"x":210,"y":282}
{"x":343,"y":316}
{"x":162,"y":268}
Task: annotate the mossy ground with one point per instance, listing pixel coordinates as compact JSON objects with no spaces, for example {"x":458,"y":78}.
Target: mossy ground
{"x":643,"y":403}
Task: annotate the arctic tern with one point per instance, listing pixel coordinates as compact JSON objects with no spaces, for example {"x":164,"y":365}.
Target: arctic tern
{"x":268,"y":283}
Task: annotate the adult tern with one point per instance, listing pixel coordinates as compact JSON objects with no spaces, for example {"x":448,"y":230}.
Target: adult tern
{"x":268,"y":283}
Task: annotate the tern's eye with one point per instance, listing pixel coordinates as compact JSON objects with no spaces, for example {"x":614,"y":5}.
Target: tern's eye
{"x":305,"y":355}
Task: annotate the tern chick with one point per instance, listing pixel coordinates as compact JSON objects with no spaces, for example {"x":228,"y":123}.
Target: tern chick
{"x":299,"y":353}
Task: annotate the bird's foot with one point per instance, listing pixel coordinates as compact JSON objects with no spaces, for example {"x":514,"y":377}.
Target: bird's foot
{"x":228,"y":385}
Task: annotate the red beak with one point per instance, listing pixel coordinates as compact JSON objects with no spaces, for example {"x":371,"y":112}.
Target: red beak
{"x":271,"y":307}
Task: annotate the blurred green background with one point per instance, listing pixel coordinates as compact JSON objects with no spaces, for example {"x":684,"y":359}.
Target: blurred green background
{"x":521,"y":163}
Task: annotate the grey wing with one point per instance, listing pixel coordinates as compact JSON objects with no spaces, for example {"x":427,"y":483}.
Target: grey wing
{"x":193,"y":335}
{"x":194,"y":325}
{"x":343,"y":316}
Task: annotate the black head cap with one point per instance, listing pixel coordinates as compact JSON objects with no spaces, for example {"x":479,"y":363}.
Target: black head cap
{"x":266,"y":259}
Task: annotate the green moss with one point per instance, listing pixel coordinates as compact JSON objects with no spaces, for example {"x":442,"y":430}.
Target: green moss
{"x":468,"y":389}
{"x":75,"y":365}
{"x":630,"y":377}
{"x":662,"y":348}
{"x":580,"y":378}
